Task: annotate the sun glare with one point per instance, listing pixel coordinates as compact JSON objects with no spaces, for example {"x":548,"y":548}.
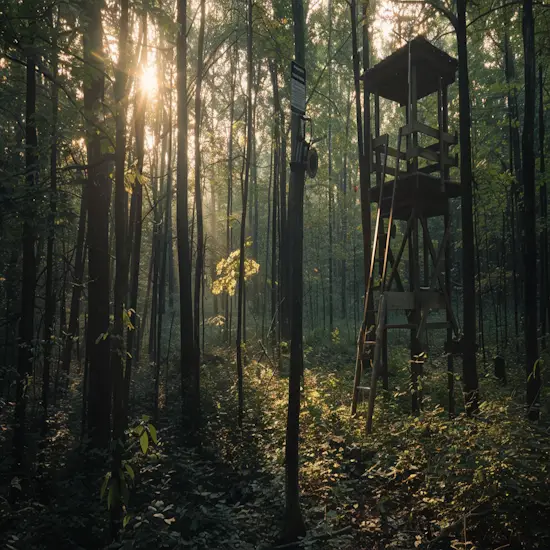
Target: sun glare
{"x":148,"y":81}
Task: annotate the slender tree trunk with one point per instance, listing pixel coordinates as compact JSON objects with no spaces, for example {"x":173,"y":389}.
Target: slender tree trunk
{"x":135,"y":227}
{"x":344,"y":212}
{"x":515,"y":168}
{"x":121,"y":269}
{"x":28,"y":277}
{"x":543,"y":194}
{"x":189,"y":363}
{"x":241,"y":281}
{"x":77,"y":282}
{"x":229,"y":213}
{"x":164,"y":250}
{"x":99,"y":195}
{"x":470,"y":379}
{"x":330,"y":189}
{"x":294,"y":526}
{"x":532,"y":366}
{"x":274,"y":204}
{"x":49,"y":312}
{"x":199,"y":266}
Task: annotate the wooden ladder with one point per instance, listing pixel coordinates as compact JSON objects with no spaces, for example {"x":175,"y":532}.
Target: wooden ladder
{"x":370,"y":341}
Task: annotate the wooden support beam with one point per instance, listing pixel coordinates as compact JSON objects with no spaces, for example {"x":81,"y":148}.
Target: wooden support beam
{"x":419,"y":127}
{"x":428,"y":154}
{"x":441,"y":280}
{"x":406,"y":235}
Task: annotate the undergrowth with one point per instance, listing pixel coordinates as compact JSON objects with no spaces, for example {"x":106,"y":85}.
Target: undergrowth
{"x":416,"y":482}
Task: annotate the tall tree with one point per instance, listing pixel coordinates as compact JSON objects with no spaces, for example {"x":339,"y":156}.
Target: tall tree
{"x":49,"y":309}
{"x":468,"y":251}
{"x":532,"y":365}
{"x":241,"y":281}
{"x":330,"y":184}
{"x":121,"y":271}
{"x":28,"y":278}
{"x":189,"y":363}
{"x":135,"y":221}
{"x":294,"y":523}
{"x":199,"y":266}
{"x":99,"y":199}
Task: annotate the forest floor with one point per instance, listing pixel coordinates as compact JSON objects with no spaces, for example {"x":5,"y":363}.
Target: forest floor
{"x":416,"y":482}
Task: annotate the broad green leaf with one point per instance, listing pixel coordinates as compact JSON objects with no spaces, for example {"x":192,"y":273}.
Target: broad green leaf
{"x":130,"y":471}
{"x":138,"y":430}
{"x":153,"y":432}
{"x":144,"y":442}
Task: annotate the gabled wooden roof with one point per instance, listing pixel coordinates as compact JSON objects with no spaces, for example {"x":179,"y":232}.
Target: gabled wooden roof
{"x":390,"y":77}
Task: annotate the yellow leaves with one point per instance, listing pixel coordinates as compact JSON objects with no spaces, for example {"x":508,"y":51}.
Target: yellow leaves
{"x":132,"y":177}
{"x":227,"y":271}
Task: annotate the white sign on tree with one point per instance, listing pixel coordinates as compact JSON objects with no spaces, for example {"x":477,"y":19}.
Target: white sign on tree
{"x":297,"y":89}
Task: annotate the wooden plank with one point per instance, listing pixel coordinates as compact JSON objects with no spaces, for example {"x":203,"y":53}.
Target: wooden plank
{"x":379,"y":141}
{"x":407,"y":326}
{"x":430,"y":169}
{"x":392,"y":152}
{"x":378,"y":168}
{"x":416,"y":126}
{"x":415,"y":152}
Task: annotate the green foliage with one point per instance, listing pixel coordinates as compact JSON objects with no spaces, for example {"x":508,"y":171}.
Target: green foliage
{"x":116,"y":489}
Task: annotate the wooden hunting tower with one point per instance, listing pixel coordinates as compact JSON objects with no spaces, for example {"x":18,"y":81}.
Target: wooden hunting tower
{"x":413,"y":184}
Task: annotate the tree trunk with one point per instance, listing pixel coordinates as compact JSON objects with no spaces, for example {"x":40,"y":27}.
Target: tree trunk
{"x":241,"y":281}
{"x":121,"y":270}
{"x":532,"y":366}
{"x":544,"y":283}
{"x":28,"y":276}
{"x":294,"y":526}
{"x":99,"y":194}
{"x":189,"y":363}
{"x":330,"y":189}
{"x":515,"y":169}
{"x":49,"y":312}
{"x":468,"y":252}
{"x":229,"y":212}
{"x":274,"y":204}
{"x":199,"y":266}
{"x":135,"y":227}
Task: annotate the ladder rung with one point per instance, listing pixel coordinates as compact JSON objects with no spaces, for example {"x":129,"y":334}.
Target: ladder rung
{"x":370,"y":343}
{"x":403,"y":325}
{"x":364,"y":388}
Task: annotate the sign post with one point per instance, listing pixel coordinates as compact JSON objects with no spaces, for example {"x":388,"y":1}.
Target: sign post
{"x":297,"y":89}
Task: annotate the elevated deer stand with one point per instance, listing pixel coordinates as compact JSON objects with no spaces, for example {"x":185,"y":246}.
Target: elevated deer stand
{"x":418,"y":189}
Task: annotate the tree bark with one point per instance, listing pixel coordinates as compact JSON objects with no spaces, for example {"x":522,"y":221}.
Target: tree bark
{"x":28,"y":277}
{"x":294,"y":523}
{"x":199,"y":265}
{"x":135,"y":227}
{"x":121,"y":269}
{"x":532,"y":365}
{"x":241,"y":281}
{"x":49,"y":312}
{"x":189,"y":362}
{"x":544,"y":276}
{"x":470,"y":379}
{"x":330,"y":189}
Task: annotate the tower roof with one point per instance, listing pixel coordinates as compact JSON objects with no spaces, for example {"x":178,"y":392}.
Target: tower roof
{"x":389,"y":78}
